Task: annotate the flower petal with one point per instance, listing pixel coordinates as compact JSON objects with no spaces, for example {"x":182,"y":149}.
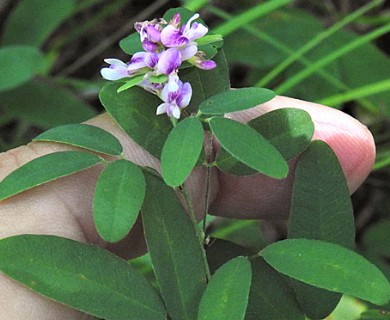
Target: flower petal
{"x":169,"y":61}
{"x":174,"y":111}
{"x":184,"y":97}
{"x":206,"y":64}
{"x":188,"y":51}
{"x":153,"y":33}
{"x":172,"y":84}
{"x":162,"y":108}
{"x":196,"y":31}
{"x":187,"y":26}
{"x":171,"y":37}
{"x":137,"y":62}
{"x":175,"y":21}
{"x":116,"y":70}
{"x":115,"y":62}
{"x":151,"y":59}
{"x":113,"y":74}
{"x":149,"y":46}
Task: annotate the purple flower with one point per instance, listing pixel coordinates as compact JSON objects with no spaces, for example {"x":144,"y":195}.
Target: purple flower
{"x":206,"y":64}
{"x":175,"y":100}
{"x":154,"y":88}
{"x":150,"y":33}
{"x":183,"y":38}
{"x":169,"y":61}
{"x":198,"y":60}
{"x":137,"y":63}
{"x":116,"y":70}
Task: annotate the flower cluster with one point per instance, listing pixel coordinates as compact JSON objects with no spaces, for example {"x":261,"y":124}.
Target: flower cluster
{"x":167,"y":46}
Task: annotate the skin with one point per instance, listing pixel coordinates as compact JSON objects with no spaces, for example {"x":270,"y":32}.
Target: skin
{"x":64,"y":207}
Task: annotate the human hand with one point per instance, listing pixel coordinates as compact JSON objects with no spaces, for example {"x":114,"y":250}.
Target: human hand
{"x":64,"y":207}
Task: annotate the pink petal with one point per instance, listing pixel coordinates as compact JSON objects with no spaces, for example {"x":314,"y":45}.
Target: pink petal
{"x":149,"y":46}
{"x":175,"y":21}
{"x":207,"y":65}
{"x":153,"y":33}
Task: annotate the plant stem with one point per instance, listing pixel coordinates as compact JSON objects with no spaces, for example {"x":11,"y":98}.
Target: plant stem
{"x":197,"y":231}
{"x":208,"y":150}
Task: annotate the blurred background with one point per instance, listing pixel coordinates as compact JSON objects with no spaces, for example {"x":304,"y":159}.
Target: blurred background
{"x":334,"y":52}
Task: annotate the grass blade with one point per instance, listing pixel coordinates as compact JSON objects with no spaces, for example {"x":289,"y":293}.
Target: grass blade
{"x":298,"y":77}
{"x":247,"y":16}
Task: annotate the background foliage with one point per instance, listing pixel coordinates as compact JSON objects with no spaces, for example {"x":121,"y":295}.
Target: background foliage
{"x":323,"y":51}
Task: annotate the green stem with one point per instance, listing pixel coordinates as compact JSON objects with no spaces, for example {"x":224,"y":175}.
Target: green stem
{"x":197,"y":231}
{"x":208,"y":151}
{"x":315,"y":41}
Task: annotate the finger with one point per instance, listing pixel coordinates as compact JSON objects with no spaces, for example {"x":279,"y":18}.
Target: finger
{"x":63,"y":208}
{"x":258,"y":196}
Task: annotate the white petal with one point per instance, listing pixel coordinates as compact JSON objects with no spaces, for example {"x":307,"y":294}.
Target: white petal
{"x":188,"y":24}
{"x":170,"y":35}
{"x":115,"y":62}
{"x":162,"y":108}
{"x":113,"y":74}
{"x":189,"y":51}
{"x":175,"y":112}
{"x":197,"y":31}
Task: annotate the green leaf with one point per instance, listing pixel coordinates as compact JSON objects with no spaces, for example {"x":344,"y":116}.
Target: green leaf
{"x":33,"y":21}
{"x":44,"y":169}
{"x":206,"y":83}
{"x":18,"y":64}
{"x":377,"y":238}
{"x":83,"y":136}
{"x":45,"y":104}
{"x":135,"y":112}
{"x":175,"y":250}
{"x":226,"y":295}
{"x":244,"y":232}
{"x":321,"y":209}
{"x":375,"y":315}
{"x":130,"y":83}
{"x":158,"y":79}
{"x":131,"y":44}
{"x":270,"y":295}
{"x":181,"y":151}
{"x":235,"y":100}
{"x":185,"y":15}
{"x":249,"y":147}
{"x":288,"y":130}
{"x":118,"y":198}
{"x":329,"y":266}
{"x":80,"y":275}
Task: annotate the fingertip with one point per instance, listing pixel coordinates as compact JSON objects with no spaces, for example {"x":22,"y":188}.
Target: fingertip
{"x":351,"y":141}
